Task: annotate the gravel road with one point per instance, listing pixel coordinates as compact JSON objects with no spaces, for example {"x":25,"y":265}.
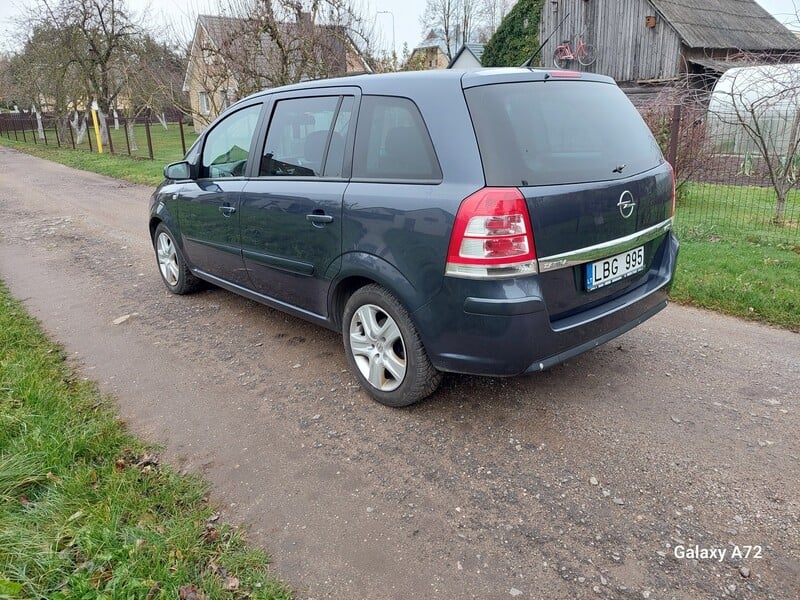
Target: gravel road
{"x":625,"y":473}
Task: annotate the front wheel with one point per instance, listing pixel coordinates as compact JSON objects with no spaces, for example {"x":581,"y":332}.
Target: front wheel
{"x":559,"y":58}
{"x":173,"y":268}
{"x":384,"y":349}
{"x":587,"y":55}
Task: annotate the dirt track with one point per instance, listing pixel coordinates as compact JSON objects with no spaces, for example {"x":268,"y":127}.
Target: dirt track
{"x":577,"y":483}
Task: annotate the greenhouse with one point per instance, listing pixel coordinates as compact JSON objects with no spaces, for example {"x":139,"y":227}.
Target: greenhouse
{"x":753,"y":104}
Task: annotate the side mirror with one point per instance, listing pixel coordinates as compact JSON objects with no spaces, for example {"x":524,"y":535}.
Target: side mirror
{"x":179,"y":170}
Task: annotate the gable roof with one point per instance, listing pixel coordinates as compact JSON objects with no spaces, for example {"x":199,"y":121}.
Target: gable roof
{"x":475,"y":49}
{"x":740,"y":24}
{"x":432,"y":40}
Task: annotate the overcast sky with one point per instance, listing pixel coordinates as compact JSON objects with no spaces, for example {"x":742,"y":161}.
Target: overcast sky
{"x":403,"y":14}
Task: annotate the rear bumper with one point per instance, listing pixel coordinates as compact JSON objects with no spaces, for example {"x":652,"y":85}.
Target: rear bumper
{"x":504,"y":329}
{"x":593,"y":343}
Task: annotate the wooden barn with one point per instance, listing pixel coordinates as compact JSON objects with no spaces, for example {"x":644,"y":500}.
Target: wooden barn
{"x":646,"y":40}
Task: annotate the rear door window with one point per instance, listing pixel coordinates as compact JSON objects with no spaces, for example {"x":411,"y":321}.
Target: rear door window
{"x":557,"y":132}
{"x":392,"y":142}
{"x":303,"y":133}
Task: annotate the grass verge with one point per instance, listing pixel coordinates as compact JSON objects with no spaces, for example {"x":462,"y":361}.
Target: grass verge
{"x":86,"y":511}
{"x":734,"y":259}
{"x":137,"y":168}
{"x":740,"y":278}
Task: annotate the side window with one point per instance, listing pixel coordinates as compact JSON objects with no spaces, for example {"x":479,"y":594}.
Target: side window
{"x":227,"y":146}
{"x":392,"y":142}
{"x":298,"y":137}
{"x":334,"y":165}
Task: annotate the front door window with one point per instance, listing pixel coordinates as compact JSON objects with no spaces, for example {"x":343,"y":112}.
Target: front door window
{"x":227,"y":146}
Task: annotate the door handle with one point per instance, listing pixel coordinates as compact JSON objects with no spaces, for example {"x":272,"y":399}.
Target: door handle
{"x":227,"y":210}
{"x":315,"y":218}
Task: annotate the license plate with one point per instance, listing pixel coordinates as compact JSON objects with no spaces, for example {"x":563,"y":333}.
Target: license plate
{"x":607,"y":271}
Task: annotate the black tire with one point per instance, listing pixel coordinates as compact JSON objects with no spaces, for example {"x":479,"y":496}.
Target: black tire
{"x":384,"y":350}
{"x":172,"y":266}
{"x":558,"y":59}
{"x":589,"y":57}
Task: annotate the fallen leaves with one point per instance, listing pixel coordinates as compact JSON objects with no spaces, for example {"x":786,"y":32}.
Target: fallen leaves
{"x":191,"y":592}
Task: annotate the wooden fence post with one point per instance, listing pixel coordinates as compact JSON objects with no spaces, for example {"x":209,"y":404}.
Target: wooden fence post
{"x":183,"y":137}
{"x":127,"y":137}
{"x":149,"y":137}
{"x":110,"y":141}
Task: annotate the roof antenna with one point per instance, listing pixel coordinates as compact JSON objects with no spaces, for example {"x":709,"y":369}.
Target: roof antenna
{"x":528,"y":62}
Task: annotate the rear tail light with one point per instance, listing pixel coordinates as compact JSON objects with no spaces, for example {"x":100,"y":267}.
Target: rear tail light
{"x":492,"y":236}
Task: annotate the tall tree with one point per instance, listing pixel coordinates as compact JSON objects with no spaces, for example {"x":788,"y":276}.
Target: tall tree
{"x":491,"y":13}
{"x":98,"y":36}
{"x":152,"y":80}
{"x":456,"y":22}
{"x":75,"y":53}
{"x":443,"y":17}
{"x":153,"y":76}
{"x":279,"y":42}
{"x":256,"y":44}
{"x":45,"y":77}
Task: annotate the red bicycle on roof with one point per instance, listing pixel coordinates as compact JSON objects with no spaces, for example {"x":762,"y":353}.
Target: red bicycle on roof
{"x":583,"y":53}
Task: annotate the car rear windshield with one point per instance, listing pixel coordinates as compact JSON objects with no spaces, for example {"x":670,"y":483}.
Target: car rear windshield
{"x":557,"y":132}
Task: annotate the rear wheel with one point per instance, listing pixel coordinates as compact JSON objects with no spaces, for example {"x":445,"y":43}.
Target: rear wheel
{"x":587,"y":56}
{"x":384,"y":350}
{"x":171,"y":264}
{"x":559,"y":58}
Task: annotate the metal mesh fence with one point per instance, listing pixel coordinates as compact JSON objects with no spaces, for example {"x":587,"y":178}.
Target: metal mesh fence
{"x":735,"y":179}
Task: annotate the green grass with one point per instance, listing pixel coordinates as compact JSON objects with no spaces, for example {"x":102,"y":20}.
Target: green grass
{"x":737,"y":212}
{"x":734,"y":259}
{"x":86,"y":511}
{"x":136,"y":168}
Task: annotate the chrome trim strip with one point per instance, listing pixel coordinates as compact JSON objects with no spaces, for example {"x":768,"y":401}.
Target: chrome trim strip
{"x":585,"y":255}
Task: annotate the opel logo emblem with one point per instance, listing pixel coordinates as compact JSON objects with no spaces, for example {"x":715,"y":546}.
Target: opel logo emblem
{"x":626,"y":204}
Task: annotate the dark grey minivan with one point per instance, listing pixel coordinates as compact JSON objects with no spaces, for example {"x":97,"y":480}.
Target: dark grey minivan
{"x":493,"y":222}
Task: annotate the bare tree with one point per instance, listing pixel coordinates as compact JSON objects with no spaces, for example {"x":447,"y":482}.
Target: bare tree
{"x":280,"y":42}
{"x":467,"y":25}
{"x":44,"y":77}
{"x":152,"y":81}
{"x":256,"y":44}
{"x":95,"y":37}
{"x":7,"y":84}
{"x":104,"y":41}
{"x":491,"y":13}
{"x":687,"y":151}
{"x":456,"y":22}
{"x":756,"y":110}
{"x":443,"y":17}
